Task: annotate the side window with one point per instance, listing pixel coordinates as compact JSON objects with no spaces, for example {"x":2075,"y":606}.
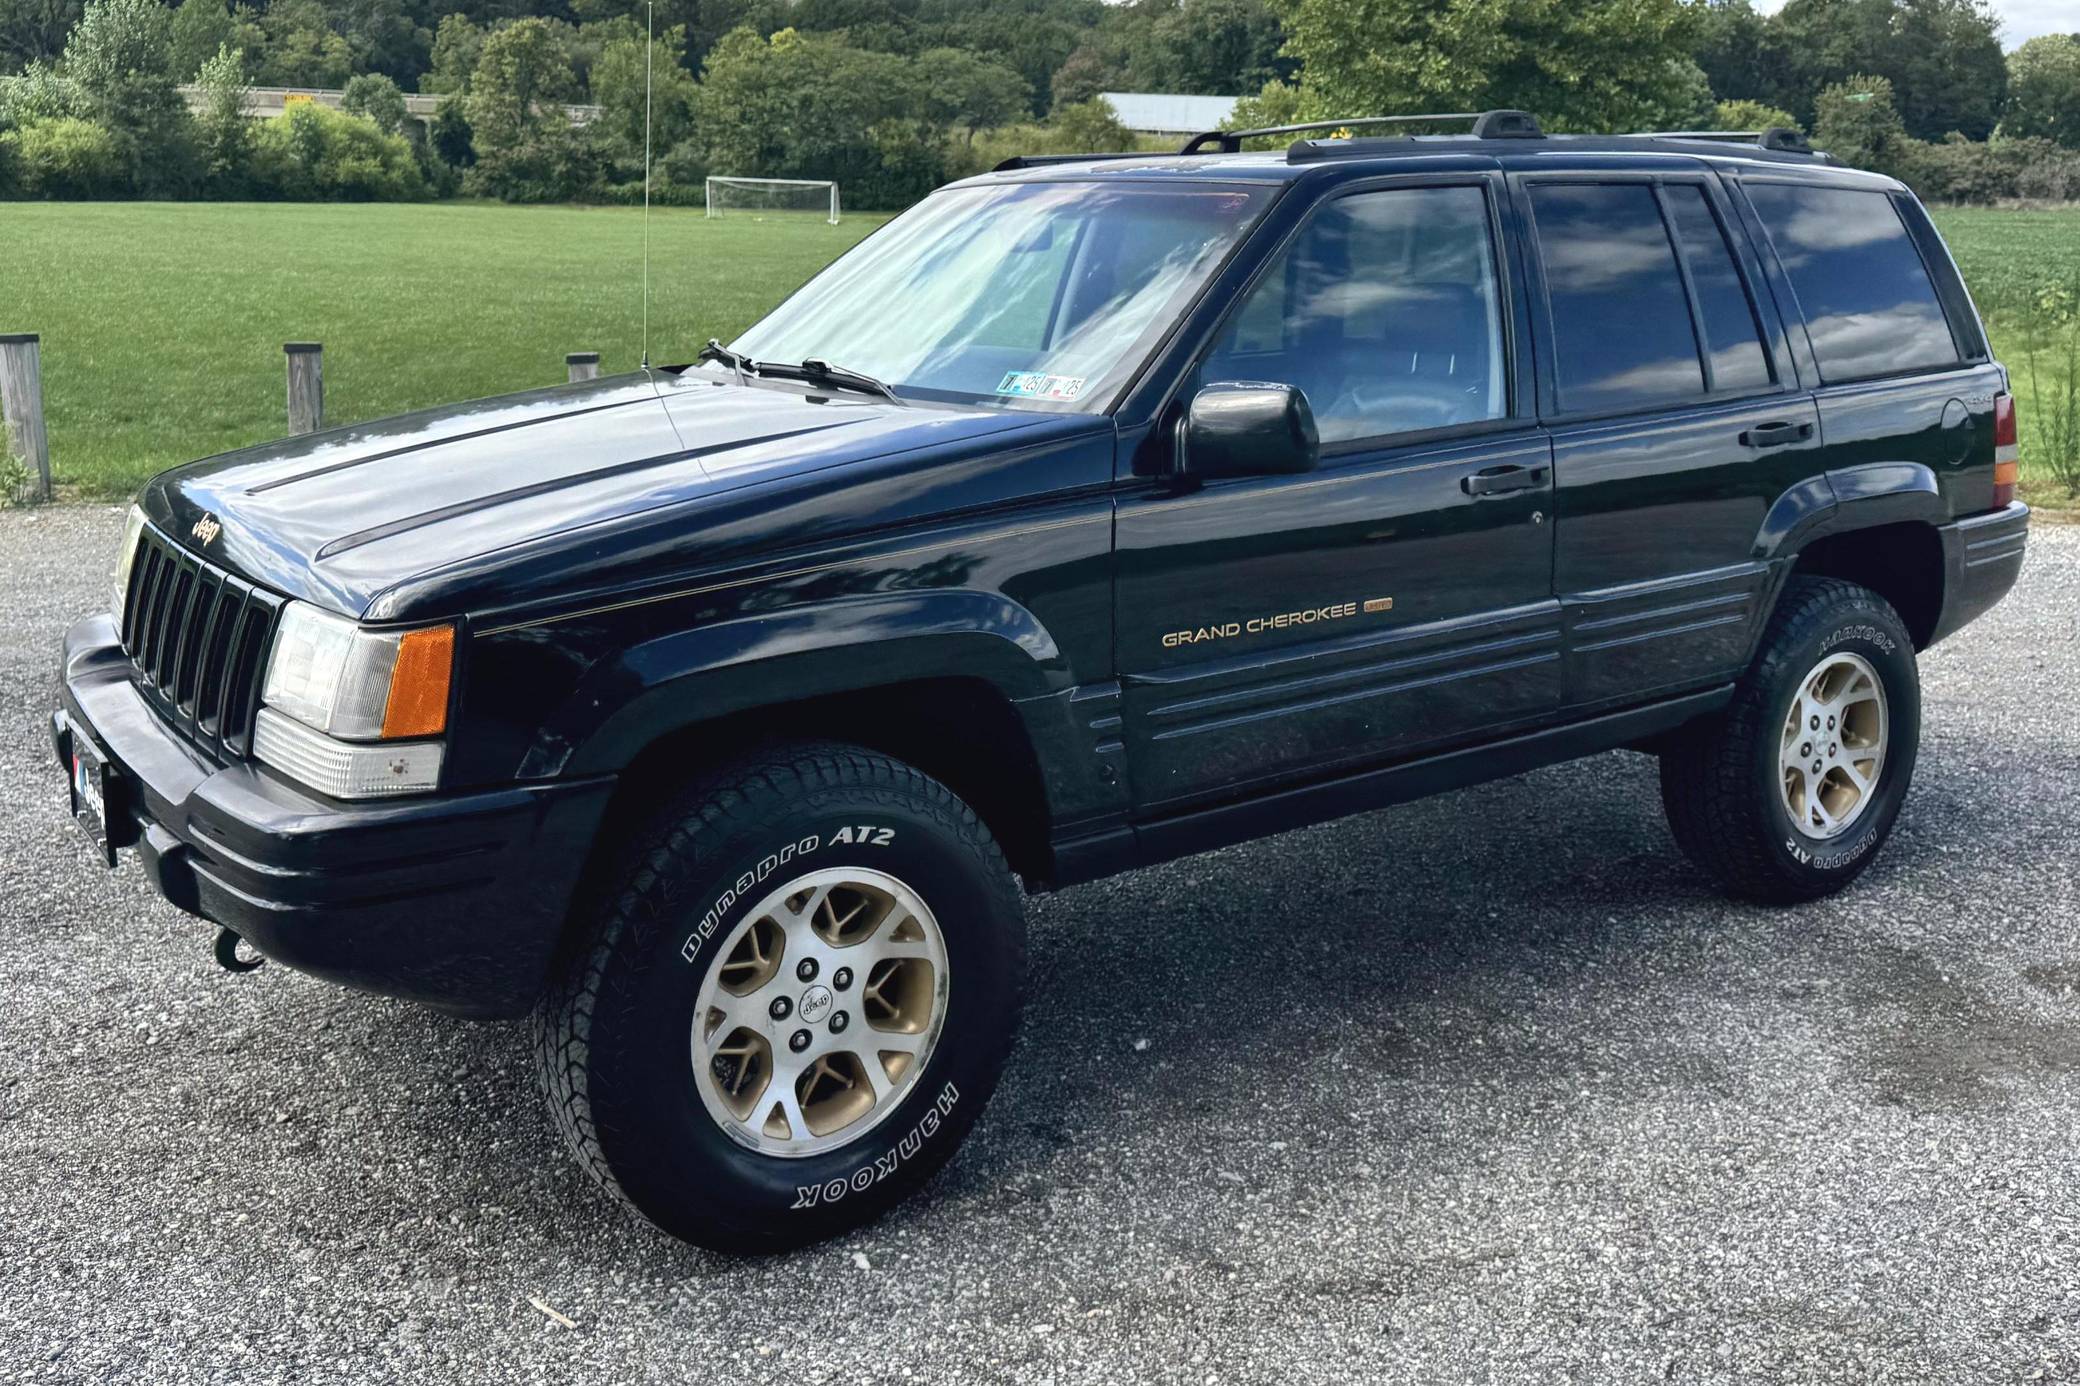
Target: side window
{"x":1736,"y":357}
{"x":1868,"y":303}
{"x":1385,"y":311}
{"x":1621,"y":322}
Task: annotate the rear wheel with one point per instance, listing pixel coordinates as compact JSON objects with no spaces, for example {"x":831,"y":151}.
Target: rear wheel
{"x":1791,"y":791}
{"x":795,"y":1004}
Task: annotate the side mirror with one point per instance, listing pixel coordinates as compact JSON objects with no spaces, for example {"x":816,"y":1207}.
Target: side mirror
{"x":1248,"y":428}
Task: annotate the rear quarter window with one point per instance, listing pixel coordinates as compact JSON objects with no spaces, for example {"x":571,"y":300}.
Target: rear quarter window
{"x":1869,"y":305}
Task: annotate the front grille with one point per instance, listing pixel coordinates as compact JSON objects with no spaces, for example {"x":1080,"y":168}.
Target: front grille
{"x":198,"y":637}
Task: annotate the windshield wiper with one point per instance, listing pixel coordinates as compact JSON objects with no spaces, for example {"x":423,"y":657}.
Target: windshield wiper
{"x":716,"y":351}
{"x":818,"y":371}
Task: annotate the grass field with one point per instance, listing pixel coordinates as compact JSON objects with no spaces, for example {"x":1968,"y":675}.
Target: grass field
{"x":163,"y":323}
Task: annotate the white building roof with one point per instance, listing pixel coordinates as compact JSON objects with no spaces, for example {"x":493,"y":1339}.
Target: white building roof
{"x":1154,"y":113}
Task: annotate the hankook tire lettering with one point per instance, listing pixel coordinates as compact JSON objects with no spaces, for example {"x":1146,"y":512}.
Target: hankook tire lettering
{"x":867,"y":1176}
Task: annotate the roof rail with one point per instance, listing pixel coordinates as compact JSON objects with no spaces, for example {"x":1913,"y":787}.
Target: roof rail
{"x":1780,"y":139}
{"x":1044,"y":160}
{"x":1487,"y":125}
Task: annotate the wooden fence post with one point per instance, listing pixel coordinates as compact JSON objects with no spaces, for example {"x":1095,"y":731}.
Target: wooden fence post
{"x":582,"y":365}
{"x":21,"y":403}
{"x":306,"y":386}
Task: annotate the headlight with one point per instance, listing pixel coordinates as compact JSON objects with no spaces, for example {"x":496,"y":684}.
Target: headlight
{"x":355,"y":684}
{"x":332,"y":687}
{"x":126,"y":558}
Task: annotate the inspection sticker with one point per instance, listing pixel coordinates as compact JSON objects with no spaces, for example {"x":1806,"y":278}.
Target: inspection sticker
{"x":1040,"y":385}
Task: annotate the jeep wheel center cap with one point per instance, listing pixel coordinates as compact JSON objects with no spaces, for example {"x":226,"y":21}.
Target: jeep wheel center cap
{"x":815,"y":1004}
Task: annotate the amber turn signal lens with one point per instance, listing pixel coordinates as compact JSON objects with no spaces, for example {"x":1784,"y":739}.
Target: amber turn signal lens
{"x":418,"y":704}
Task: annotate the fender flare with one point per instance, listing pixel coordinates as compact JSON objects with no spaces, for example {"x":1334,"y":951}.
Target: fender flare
{"x":1849,"y":498}
{"x":851,"y":644}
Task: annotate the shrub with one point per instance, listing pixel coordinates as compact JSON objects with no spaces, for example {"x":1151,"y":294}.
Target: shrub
{"x":1751,"y":115}
{"x":66,"y":158}
{"x":374,"y":97}
{"x":554,"y":162}
{"x":37,"y":92}
{"x":315,"y":154}
{"x":1961,"y":170}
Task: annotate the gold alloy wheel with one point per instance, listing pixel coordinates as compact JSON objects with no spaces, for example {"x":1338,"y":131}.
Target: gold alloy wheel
{"x":820,"y":1012}
{"x":1833,"y":748}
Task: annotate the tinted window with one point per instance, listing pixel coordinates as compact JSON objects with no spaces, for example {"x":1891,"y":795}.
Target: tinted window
{"x":1385,"y":311}
{"x":1620,"y":321}
{"x":1735,"y":338}
{"x":1869,"y":306}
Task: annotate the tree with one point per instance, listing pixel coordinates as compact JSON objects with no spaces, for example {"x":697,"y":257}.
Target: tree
{"x":376,"y":98}
{"x":456,"y":47}
{"x":618,"y":88}
{"x":450,"y":137}
{"x":1091,"y":128}
{"x":1743,"y":54}
{"x":521,"y":80}
{"x":382,"y":37}
{"x":2044,"y":90}
{"x":40,"y":92}
{"x":119,"y":56}
{"x":1082,"y":75}
{"x":1581,"y":65}
{"x":1857,"y":122}
{"x":527,"y":148}
{"x":300,"y":49}
{"x":1751,"y":115}
{"x":1212,"y":47}
{"x":200,"y":30}
{"x":33,"y":31}
{"x":1942,"y":57}
{"x":224,"y":129}
{"x":959,"y":90}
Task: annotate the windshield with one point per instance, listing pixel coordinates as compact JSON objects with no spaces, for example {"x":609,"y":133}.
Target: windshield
{"x":1045,"y":295}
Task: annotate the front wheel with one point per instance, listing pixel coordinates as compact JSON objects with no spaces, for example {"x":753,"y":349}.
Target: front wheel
{"x":1790,"y":792}
{"x":794,"y":1006}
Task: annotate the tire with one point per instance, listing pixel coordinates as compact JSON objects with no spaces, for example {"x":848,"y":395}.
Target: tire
{"x":1736,"y":808}
{"x":693,"y":914}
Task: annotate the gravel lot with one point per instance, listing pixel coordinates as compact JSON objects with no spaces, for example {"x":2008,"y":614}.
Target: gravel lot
{"x":1488,"y":1088}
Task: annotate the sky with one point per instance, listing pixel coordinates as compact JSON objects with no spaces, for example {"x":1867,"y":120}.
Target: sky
{"x":2021,"y":20}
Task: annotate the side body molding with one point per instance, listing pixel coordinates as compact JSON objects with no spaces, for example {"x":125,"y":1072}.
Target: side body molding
{"x":658,"y":686}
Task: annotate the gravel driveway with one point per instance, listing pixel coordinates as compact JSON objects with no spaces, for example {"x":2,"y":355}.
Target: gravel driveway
{"x":1487,"y":1088}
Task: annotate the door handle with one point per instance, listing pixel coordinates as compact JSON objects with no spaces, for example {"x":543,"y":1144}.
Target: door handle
{"x":1493,"y":481}
{"x":1775,"y":435}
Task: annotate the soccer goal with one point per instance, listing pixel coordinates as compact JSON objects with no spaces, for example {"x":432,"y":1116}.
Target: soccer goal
{"x":762,"y":195}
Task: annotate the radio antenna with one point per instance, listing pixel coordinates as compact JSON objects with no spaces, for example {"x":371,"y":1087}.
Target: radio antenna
{"x":649,"y":43}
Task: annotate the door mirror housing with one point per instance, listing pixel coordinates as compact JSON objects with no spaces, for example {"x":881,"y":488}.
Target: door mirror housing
{"x":1248,"y":428}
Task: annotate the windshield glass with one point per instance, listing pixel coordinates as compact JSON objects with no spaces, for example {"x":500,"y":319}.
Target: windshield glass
{"x":1029,"y":294}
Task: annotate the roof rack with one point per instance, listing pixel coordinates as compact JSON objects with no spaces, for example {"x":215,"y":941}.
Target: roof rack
{"x":1780,"y":139}
{"x":1487,"y":125}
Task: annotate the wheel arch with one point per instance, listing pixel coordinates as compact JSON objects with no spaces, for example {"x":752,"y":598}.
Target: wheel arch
{"x":1873,"y":525}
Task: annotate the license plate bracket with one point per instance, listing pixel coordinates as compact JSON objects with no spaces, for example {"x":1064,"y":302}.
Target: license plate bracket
{"x":93,"y":787}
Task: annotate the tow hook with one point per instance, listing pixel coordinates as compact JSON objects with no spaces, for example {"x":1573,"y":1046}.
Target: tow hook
{"x":227,"y":953}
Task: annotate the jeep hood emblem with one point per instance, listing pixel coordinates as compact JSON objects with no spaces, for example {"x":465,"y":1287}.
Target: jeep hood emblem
{"x":206,"y":529}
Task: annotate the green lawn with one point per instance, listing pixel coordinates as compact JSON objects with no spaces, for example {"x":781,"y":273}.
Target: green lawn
{"x":2011,"y":259}
{"x":163,"y":324}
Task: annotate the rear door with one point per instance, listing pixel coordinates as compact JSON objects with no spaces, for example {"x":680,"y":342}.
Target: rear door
{"x":1398,"y":597}
{"x":1676,"y":418}
{"x":1905,"y":383}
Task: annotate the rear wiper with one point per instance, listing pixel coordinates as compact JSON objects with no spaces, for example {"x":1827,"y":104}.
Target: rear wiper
{"x":817,"y":371}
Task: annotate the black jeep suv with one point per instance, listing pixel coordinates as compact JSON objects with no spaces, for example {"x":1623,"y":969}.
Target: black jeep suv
{"x":1088,"y":514}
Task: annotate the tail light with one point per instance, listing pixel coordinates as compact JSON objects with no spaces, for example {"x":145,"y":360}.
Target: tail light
{"x":2007,"y":450}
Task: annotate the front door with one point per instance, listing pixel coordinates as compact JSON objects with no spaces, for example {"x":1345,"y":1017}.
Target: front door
{"x":1399,"y":597}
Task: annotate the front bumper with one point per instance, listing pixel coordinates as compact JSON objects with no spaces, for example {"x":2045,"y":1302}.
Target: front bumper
{"x":1981,"y":557}
{"x":456,"y":900}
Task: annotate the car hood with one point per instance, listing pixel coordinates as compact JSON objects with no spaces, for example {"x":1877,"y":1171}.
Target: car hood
{"x":340,"y":517}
